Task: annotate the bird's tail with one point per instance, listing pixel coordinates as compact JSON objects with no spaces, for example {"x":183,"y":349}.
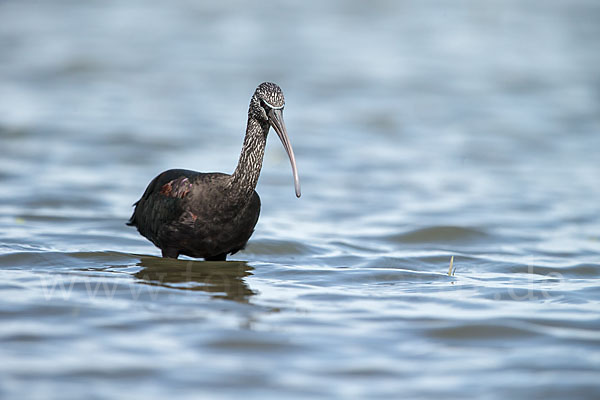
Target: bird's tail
{"x":132,"y":221}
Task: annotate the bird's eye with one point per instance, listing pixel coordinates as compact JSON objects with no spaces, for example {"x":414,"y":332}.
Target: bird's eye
{"x":263,"y":104}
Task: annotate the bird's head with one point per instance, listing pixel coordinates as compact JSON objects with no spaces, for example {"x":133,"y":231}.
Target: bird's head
{"x":267,"y":106}
{"x":267,"y":96}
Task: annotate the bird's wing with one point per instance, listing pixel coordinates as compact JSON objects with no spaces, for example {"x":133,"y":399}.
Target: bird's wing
{"x":177,"y":188}
{"x":174,"y":183}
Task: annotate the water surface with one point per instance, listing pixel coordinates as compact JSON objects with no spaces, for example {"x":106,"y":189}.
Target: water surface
{"x":423,"y":131}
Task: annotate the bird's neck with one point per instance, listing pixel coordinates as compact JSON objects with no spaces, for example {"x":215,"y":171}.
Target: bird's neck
{"x":245,"y":176}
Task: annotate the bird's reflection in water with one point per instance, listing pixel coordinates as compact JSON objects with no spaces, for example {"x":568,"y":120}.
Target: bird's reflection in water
{"x":224,"y":279}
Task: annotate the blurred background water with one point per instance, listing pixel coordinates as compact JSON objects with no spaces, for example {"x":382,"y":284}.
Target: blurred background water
{"x":423,"y":130}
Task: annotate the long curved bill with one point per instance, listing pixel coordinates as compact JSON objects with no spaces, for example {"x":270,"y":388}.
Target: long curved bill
{"x":276,"y":120}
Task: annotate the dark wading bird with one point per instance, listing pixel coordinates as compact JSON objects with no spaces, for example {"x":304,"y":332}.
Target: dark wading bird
{"x":210,"y":215}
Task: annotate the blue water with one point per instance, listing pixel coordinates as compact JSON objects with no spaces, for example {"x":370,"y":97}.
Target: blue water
{"x":423,"y":131}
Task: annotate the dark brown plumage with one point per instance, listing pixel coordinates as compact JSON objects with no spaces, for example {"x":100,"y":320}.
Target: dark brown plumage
{"x":211,"y":215}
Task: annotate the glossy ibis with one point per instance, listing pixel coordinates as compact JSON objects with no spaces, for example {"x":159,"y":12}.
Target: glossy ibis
{"x":211,"y":215}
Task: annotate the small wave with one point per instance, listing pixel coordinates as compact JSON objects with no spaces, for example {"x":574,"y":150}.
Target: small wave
{"x":577,"y":270}
{"x":475,"y":331}
{"x":440,"y":234}
{"x":280,"y":247}
{"x":65,"y":259}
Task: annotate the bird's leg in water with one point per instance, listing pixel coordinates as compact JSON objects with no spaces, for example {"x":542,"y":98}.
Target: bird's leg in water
{"x":170,"y":253}
{"x":219,"y":257}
